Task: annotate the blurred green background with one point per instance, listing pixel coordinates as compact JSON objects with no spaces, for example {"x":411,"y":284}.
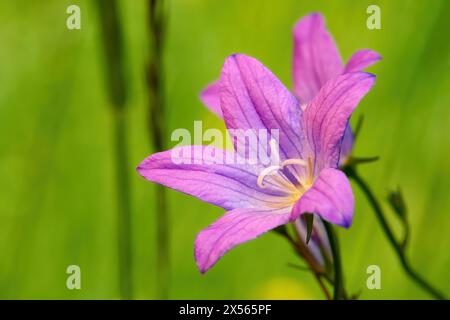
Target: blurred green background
{"x":57,"y":186}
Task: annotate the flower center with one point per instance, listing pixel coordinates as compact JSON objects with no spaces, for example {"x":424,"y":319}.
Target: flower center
{"x":285,"y":176}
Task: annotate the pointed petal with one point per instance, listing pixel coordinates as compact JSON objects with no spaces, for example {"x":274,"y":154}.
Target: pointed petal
{"x":316,"y":58}
{"x":347,"y":145}
{"x":326,"y":117}
{"x":210,"y":96}
{"x":253,"y":98}
{"x":203,"y":172}
{"x":319,"y":244}
{"x":330,"y":197}
{"x":233,"y":228}
{"x":361,"y":60}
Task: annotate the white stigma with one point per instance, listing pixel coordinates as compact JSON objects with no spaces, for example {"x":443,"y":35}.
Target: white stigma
{"x":280,"y":179}
{"x":269,"y":170}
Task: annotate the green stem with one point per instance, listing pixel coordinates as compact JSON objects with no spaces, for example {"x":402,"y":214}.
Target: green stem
{"x":339,"y":293}
{"x":157,"y":24}
{"x":114,"y":65}
{"x":351,"y":172}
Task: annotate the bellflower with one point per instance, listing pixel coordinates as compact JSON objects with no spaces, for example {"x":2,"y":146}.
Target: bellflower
{"x":316,"y":60}
{"x":303,"y":179}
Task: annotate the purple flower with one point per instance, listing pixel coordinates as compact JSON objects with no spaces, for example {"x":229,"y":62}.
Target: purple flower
{"x":304,"y":178}
{"x":316,"y":60}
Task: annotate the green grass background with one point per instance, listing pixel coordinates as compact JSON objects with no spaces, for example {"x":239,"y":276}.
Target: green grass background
{"x":57,"y":186}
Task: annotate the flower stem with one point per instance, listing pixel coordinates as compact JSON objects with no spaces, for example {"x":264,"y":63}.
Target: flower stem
{"x":157,"y":24}
{"x":302,"y":250}
{"x":398,"y":248}
{"x":339,"y":293}
{"x":112,"y":40}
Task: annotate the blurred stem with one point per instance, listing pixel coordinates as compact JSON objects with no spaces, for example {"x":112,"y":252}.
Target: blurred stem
{"x":115,"y":76}
{"x":323,"y":286}
{"x":156,"y":121}
{"x":339,"y":293}
{"x":398,"y":248}
{"x":302,"y":250}
{"x":123,"y":202}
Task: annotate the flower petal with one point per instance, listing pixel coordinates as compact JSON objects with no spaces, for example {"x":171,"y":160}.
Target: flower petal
{"x":203,"y":172}
{"x":326,"y":117}
{"x":361,"y":59}
{"x":233,"y":228}
{"x":211,"y":98}
{"x":253,"y":98}
{"x":330,"y":197}
{"x":316,"y":58}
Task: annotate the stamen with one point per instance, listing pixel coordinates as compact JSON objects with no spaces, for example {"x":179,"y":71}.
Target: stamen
{"x":310,"y":171}
{"x":284,"y":181}
{"x":300,"y":162}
